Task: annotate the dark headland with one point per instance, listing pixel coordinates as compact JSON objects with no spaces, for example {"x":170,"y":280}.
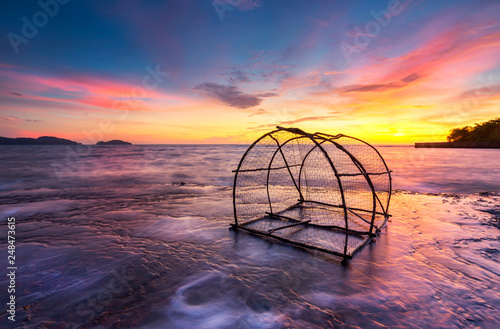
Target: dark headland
{"x":113,"y":142}
{"x":484,"y":135}
{"x":44,"y":140}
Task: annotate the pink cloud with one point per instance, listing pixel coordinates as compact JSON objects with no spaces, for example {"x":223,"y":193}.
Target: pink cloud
{"x":84,"y":90}
{"x":10,"y":118}
{"x":7,"y":66}
{"x":449,"y":59}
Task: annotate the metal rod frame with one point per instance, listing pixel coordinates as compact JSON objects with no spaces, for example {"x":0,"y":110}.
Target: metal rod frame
{"x":323,"y":138}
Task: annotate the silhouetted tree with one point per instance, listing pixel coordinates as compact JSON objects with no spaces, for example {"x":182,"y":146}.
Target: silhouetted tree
{"x":488,"y":131}
{"x":459,"y":134}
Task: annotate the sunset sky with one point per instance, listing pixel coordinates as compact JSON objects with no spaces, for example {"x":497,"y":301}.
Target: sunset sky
{"x":227,"y":71}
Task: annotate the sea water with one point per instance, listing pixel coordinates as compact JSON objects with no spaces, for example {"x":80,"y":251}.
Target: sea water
{"x":137,"y":237}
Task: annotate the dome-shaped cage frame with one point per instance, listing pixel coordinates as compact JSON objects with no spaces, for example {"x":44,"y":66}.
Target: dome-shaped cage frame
{"x":324,"y":192}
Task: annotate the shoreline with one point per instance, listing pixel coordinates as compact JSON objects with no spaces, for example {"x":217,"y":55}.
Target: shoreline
{"x":473,"y":145}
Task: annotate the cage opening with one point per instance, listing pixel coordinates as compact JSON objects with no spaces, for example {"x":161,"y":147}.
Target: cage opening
{"x":318,"y":191}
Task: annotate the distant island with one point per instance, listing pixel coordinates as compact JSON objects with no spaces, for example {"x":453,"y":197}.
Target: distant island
{"x":44,"y":140}
{"x":113,"y":142}
{"x":482,"y":135}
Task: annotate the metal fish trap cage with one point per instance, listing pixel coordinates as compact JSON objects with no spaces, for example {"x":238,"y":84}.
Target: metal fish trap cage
{"x":318,"y":191}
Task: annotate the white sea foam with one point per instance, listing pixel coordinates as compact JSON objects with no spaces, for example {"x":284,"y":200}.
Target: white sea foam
{"x":217,"y":310}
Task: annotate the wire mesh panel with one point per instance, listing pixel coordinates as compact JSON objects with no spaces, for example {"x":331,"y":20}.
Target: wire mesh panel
{"x":319,"y":191}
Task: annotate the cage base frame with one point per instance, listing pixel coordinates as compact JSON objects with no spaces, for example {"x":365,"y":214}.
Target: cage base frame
{"x":345,"y":257}
{"x":296,"y":222}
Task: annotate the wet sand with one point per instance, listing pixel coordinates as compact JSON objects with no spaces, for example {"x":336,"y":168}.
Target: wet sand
{"x":103,"y":258}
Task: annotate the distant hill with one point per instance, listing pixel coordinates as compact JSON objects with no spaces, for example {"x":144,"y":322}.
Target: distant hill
{"x":113,"y":142}
{"x":44,"y":140}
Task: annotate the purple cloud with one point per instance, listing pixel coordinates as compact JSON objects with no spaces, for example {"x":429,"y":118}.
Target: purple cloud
{"x":13,"y":118}
{"x":231,"y":95}
{"x":382,"y":86}
{"x":237,"y":77}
